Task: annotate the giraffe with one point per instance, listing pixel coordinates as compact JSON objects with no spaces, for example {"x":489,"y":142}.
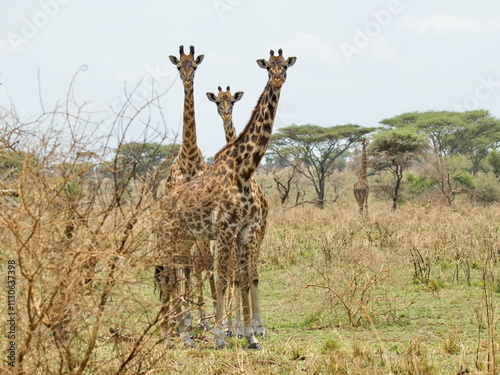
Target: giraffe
{"x":188,"y":164}
{"x":361,"y":186}
{"x":219,"y":205}
{"x":225,"y":102}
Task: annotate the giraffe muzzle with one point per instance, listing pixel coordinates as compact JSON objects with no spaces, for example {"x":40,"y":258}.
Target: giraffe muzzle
{"x":278,"y":82}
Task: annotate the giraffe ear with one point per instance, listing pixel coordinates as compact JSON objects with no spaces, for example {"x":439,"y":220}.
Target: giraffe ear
{"x":174,"y":60}
{"x":211,"y":96}
{"x":238,"y":95}
{"x":199,"y":59}
{"x":262,"y":63}
{"x":291,"y":60}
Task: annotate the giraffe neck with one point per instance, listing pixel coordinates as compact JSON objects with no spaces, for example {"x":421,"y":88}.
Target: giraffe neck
{"x":362,"y":171}
{"x":246,"y":151}
{"x":189,"y":125}
{"x":229,"y":130}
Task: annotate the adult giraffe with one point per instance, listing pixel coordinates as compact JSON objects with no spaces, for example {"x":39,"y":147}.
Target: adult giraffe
{"x":188,"y":164}
{"x":224,"y":101}
{"x":219,"y":205}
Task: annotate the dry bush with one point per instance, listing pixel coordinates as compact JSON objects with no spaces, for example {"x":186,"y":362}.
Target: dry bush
{"x":79,"y":239}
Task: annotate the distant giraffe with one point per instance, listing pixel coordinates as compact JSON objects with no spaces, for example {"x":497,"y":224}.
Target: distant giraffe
{"x":219,"y":205}
{"x":361,"y":186}
{"x":188,"y":164}
{"x":225,"y":102}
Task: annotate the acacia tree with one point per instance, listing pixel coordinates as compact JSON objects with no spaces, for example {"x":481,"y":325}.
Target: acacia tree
{"x":394,"y":151}
{"x":471,"y":133}
{"x":453,"y":136}
{"x":317,"y":148}
{"x":284,"y":179}
{"x":136,"y":159}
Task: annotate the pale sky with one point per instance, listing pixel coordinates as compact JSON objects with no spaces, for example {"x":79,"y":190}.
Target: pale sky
{"x":357,"y":62}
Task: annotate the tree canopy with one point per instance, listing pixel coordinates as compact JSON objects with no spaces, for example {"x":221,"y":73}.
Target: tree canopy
{"x":144,"y":157}
{"x":472,"y":133}
{"x":317,"y":148}
{"x":394,"y":150}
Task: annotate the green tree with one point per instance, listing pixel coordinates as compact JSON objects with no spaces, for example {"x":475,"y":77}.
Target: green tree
{"x":394,"y":151}
{"x":11,"y":162}
{"x":317,"y":148}
{"x":472,"y":133}
{"x":452,"y":136}
{"x":144,"y":157}
{"x":140,"y":159}
{"x":493,"y":160}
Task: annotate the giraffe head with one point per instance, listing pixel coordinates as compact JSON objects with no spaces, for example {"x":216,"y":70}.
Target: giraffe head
{"x":276,"y":67}
{"x":186,"y":65}
{"x":225,"y":102}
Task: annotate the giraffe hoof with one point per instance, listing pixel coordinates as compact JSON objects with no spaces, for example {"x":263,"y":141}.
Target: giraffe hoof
{"x":255,"y":346}
{"x":259,"y":332}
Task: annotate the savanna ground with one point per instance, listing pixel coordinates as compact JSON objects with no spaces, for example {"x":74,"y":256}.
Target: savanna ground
{"x":415,"y":291}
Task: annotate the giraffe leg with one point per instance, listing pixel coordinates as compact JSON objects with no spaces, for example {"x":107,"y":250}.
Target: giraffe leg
{"x":183,"y":304}
{"x":233,"y":310}
{"x":238,"y":323}
{"x":244,"y":281}
{"x":225,"y":251}
{"x":230,"y":308}
{"x":257,"y":322}
{"x":164,"y":277}
{"x":186,"y":299}
{"x":204,"y":262}
{"x":172,"y":297}
{"x":233,"y":305}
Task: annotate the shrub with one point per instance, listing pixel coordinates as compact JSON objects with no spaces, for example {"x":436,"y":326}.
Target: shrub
{"x":487,"y":189}
{"x":463,"y":179}
{"x":419,"y":184}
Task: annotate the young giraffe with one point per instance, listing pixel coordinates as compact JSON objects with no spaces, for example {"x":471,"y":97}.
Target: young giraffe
{"x":219,"y":205}
{"x":188,"y":164}
{"x":225,"y":103}
{"x":361,"y":186}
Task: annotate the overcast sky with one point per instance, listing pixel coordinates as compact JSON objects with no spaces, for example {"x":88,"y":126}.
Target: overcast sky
{"x":357,"y":62}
